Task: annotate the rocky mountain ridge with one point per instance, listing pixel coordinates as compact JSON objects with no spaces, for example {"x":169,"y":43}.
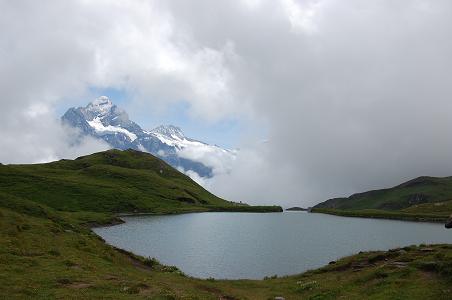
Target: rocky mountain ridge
{"x":104,"y":120}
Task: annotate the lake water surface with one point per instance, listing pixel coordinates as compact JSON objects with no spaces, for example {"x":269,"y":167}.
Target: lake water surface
{"x":254,"y":245}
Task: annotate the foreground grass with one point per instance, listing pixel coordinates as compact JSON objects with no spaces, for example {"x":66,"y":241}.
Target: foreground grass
{"x":47,"y":254}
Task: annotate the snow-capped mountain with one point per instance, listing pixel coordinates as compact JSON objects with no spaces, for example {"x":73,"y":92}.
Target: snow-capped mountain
{"x":102,"y":119}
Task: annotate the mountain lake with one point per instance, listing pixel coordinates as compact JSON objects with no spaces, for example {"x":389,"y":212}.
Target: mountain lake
{"x":255,"y":245}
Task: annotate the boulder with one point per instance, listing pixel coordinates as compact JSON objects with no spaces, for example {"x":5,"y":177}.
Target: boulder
{"x":449,"y":223}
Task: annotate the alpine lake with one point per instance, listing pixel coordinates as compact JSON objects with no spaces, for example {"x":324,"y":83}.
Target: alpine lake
{"x":255,"y":245}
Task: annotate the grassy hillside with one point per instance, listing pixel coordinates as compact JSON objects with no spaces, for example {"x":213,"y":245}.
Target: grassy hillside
{"x":47,"y":250}
{"x":423,"y":198}
{"x":112,"y":181}
{"x":50,"y":254}
{"x":440,"y":208}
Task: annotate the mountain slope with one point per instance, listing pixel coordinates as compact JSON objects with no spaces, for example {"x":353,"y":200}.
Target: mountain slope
{"x":423,"y":195}
{"x":104,"y":120}
{"x":111,"y":181}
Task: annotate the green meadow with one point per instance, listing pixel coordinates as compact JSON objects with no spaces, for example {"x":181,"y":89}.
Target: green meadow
{"x":47,"y":250}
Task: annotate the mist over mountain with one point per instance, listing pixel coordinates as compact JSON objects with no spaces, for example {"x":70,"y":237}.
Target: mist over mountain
{"x":104,"y":120}
{"x":349,"y":96}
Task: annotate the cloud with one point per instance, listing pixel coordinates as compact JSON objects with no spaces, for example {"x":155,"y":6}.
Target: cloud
{"x":353,"y":95}
{"x":252,"y":179}
{"x":218,"y":159}
{"x":36,"y":136}
{"x":131,"y":46}
{"x":203,"y":181}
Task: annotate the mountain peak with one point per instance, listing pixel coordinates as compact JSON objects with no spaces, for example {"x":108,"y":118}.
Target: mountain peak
{"x":104,"y":120}
{"x":101,"y":105}
{"x":169,"y":131}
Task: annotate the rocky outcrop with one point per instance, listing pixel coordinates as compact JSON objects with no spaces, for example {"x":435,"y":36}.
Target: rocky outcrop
{"x":449,"y":222}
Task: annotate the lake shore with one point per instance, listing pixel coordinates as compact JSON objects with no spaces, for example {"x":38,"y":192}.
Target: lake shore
{"x":381,"y":214}
{"x":115,"y":219}
{"x":53,"y":256}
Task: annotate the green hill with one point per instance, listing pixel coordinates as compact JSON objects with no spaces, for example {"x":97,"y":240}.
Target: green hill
{"x":428,"y":198}
{"x":47,"y":251}
{"x":113,"y":181}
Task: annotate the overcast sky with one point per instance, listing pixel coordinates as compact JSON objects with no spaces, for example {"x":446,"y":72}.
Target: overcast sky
{"x":324,"y":98}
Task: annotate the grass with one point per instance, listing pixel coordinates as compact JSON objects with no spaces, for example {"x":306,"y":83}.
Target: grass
{"x":420,"y":199}
{"x":417,"y":191}
{"x":439,"y":208}
{"x":113,"y":181}
{"x":45,"y":254}
{"x":382,"y":214}
{"x":47,"y":250}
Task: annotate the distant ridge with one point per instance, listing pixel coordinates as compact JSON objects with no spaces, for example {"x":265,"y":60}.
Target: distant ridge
{"x":297,"y":208}
{"x":413,"y":192}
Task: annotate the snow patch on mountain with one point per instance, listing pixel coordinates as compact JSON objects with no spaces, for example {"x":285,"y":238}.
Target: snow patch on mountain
{"x":104,"y":120}
{"x":169,"y":131}
{"x":97,"y":125}
{"x":218,"y":158}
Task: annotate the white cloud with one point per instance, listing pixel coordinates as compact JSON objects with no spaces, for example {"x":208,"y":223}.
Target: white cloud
{"x":354,"y":94}
{"x":362,"y":100}
{"x":42,"y":139}
{"x":195,"y":176}
{"x":302,"y":15}
{"x":218,"y":159}
{"x":130,"y":45}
